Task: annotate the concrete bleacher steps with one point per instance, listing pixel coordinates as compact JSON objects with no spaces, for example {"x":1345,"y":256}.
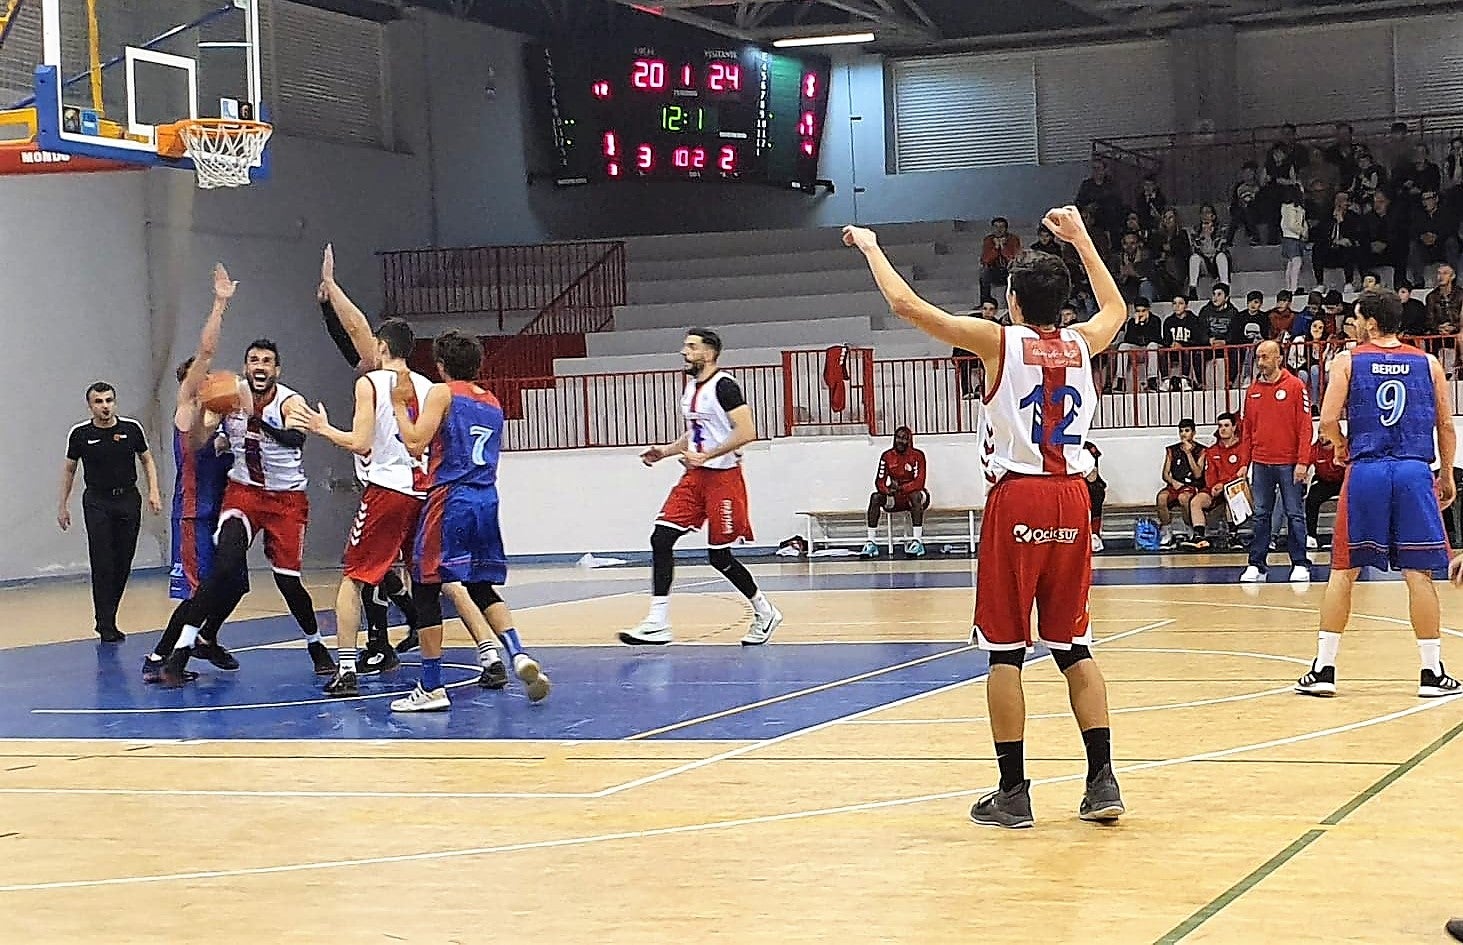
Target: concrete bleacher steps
{"x":785,"y":284}
{"x":796,"y":333}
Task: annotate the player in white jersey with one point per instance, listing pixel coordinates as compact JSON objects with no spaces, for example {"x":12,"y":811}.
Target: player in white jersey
{"x":1035,"y":540}
{"x":266,"y":494}
{"x":711,"y":492}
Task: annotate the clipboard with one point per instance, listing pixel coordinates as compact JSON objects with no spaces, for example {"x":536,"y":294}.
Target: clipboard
{"x":1240,"y":499}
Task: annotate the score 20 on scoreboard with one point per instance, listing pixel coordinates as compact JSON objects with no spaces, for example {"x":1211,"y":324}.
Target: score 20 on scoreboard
{"x":661,"y":113}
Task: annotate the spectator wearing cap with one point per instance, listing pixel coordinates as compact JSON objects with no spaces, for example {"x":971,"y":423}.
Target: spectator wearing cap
{"x":1415,"y":320}
{"x":1434,"y":236}
{"x":1247,"y":329}
{"x":1000,"y":249}
{"x":1282,"y":316}
{"x":1142,"y":333}
{"x":1336,"y":241}
{"x":1210,"y":250}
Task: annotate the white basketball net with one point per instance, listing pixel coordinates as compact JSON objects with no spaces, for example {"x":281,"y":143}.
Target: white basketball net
{"x":223,"y":152}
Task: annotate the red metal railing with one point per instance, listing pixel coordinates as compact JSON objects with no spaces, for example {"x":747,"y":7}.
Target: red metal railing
{"x":937,"y":395}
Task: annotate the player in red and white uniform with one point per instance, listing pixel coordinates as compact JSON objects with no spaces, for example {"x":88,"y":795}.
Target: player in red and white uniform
{"x":711,"y":492}
{"x":266,"y":494}
{"x":1035,"y":542}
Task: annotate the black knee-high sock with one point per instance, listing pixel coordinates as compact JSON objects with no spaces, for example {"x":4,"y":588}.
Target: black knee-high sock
{"x":213,"y":623}
{"x":734,"y":571}
{"x":1011,"y":757}
{"x":1099,"y":750}
{"x":219,"y":593}
{"x":302,"y":608}
{"x":396,"y":592}
{"x":662,"y":560}
{"x":173,"y":631}
{"x":373,"y":604}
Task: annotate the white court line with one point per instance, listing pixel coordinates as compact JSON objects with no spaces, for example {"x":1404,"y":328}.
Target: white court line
{"x":1244,"y":697}
{"x":706,"y":826}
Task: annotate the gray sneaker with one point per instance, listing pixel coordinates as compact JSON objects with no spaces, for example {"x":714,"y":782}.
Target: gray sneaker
{"x":1010,"y":808}
{"x":1102,"y":803}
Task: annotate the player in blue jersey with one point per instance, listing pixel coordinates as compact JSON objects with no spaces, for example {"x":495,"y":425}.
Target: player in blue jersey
{"x":1389,"y":515}
{"x":459,"y":547}
{"x":202,"y":460}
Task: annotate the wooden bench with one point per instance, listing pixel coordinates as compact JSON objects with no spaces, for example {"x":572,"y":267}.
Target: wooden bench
{"x":849,"y":528}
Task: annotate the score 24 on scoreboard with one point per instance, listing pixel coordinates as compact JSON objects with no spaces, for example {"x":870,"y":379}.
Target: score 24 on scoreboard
{"x":703,"y":114}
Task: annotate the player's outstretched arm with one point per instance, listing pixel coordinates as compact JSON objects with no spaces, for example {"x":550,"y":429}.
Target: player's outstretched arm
{"x":351,"y":318}
{"x":189,"y":411}
{"x":976,"y":335}
{"x":417,"y":432}
{"x":1333,"y":404}
{"x":363,"y":423}
{"x":1447,"y":436}
{"x":1067,"y":225}
{"x":655,"y":454}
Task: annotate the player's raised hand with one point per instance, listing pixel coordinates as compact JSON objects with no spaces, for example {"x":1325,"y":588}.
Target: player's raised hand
{"x":327,"y":266}
{"x":1065,"y":223}
{"x":299,"y":416}
{"x":860,"y":238}
{"x":223,"y":286}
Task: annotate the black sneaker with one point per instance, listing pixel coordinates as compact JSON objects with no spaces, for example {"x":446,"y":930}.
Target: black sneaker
{"x":324,"y":665}
{"x":1102,"y":803}
{"x":110,"y":634}
{"x":217,"y":655}
{"x":495,"y":675}
{"x":342,"y":686}
{"x":175,"y":670}
{"x":373,"y":662}
{"x":1010,"y":808}
{"x":1321,"y":681}
{"x":152,"y":672}
{"x":1436,"y":685}
{"x":1455,"y":929}
{"x":409,"y":642}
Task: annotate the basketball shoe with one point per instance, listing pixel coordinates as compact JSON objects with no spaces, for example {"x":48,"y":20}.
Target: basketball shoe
{"x":343,"y":685}
{"x":1010,"y":808}
{"x":320,"y":656}
{"x":420,"y":700}
{"x":495,"y":675}
{"x":647,"y":633}
{"x":1102,"y":802}
{"x":1321,"y":681}
{"x":1436,"y":685}
{"x":534,"y":679}
{"x":1455,"y":929}
{"x":374,"y":661}
{"x":763,"y":626}
{"x":215,"y":654}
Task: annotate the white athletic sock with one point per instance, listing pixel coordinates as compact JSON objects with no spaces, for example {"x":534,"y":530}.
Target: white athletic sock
{"x":660,"y":611}
{"x":347,"y":659}
{"x":919,"y":533}
{"x":1327,"y":645}
{"x":874,"y":533}
{"x":1431,"y":652}
{"x":189,"y":636}
{"x":488,"y":654}
{"x":761,"y":604}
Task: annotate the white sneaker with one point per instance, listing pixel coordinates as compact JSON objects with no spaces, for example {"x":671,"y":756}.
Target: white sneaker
{"x":915,"y":548}
{"x":1311,"y":544}
{"x":647,"y":633}
{"x":421,"y":700}
{"x":1300,"y":574}
{"x":1097,"y":544}
{"x":535,"y":680}
{"x":1252,"y":575}
{"x":871,"y":550}
{"x":762,"y":628}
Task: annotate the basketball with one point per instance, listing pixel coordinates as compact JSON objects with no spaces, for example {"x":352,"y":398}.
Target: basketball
{"x":220,"y":392}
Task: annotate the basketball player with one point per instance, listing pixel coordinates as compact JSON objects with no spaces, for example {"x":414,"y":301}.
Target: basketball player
{"x":352,"y":335}
{"x":202,"y":461}
{"x":711,"y":492}
{"x":459,"y":546}
{"x":266,"y":493}
{"x":385,"y":526}
{"x":1395,"y":399}
{"x":1035,"y":544}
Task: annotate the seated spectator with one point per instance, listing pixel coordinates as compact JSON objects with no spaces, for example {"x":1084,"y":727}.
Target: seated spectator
{"x":1293,"y":232}
{"x":1336,"y":241}
{"x":1069,"y":315}
{"x":1282,"y":318}
{"x":1444,"y":314}
{"x":1219,"y":312}
{"x":1342,"y":153}
{"x":1211,"y":250}
{"x":1096,"y":494}
{"x":1247,"y":329}
{"x":1315,"y":304}
{"x":1183,"y":332}
{"x":1046,"y":242}
{"x":1416,"y":177}
{"x":1183,"y":478}
{"x":1370,"y":282}
{"x":1151,"y":203}
{"x":1133,"y":223}
{"x":1325,"y":486}
{"x":1224,"y":462}
{"x":1171,"y":248}
{"x":1369,"y":179}
{"x":1434,"y":235}
{"x":1306,"y":356}
{"x":1396,"y":148}
{"x":1415,"y":323}
{"x":1000,"y":249}
{"x":1133,"y":268}
{"x":969,"y":372}
{"x":1300,"y":155}
{"x":1142,"y":333}
{"x":1383,"y":238}
{"x":1245,"y":208}
{"x":1331,"y":312}
{"x":899,"y":486}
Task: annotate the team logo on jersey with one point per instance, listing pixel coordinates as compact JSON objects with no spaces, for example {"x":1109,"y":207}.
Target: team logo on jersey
{"x":1027,"y":535}
{"x":1280,"y":394}
{"x":1051,"y":353}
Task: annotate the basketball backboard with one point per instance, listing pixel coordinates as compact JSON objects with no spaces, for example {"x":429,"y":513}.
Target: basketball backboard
{"x":112,"y":78}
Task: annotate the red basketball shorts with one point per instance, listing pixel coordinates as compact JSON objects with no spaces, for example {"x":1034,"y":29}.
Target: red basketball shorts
{"x":1035,"y":549}
{"x":1176,"y":497}
{"x":903,"y":501}
{"x":716,"y":498}
{"x":281,"y":516}
{"x":383,"y":532}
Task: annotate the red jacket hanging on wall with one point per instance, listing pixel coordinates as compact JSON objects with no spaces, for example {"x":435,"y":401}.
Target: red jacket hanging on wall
{"x":835,"y":375}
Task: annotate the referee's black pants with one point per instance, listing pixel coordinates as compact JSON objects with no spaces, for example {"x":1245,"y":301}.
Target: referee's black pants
{"x":113,"y":519}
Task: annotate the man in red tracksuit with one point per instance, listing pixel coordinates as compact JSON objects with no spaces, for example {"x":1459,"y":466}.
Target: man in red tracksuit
{"x":1277,"y":434}
{"x":899,"y":486}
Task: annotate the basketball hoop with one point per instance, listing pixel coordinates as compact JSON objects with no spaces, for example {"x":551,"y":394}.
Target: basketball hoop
{"x":223,"y":150}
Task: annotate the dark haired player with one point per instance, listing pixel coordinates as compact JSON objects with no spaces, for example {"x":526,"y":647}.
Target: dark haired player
{"x":1035,"y":544}
{"x":711,"y":492}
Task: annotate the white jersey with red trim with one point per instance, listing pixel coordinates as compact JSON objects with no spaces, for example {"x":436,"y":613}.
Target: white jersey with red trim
{"x":389,"y":464}
{"x":707,"y":421}
{"x":260,"y":460}
{"x":1040,"y":406}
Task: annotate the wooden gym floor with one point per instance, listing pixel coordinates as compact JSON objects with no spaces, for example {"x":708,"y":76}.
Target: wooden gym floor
{"x":813,"y":790}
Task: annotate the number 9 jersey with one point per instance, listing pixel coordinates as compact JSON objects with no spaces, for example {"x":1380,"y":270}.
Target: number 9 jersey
{"x":1040,"y":405}
{"x":1391,"y":410}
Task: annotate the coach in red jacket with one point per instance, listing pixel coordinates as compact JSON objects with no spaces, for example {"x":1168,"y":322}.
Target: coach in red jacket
{"x":1277,"y":434}
{"x":899,"y":486}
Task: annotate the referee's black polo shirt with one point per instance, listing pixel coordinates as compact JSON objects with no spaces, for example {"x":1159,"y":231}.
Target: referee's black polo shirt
{"x":108,"y":455}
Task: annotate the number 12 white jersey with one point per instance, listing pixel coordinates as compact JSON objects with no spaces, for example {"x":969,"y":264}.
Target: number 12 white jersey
{"x":1040,"y":405}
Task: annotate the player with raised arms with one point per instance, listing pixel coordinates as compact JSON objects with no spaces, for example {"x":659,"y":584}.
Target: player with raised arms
{"x":1035,"y":537}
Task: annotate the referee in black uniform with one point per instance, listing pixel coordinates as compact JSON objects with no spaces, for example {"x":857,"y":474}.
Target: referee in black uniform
{"x":108,"y":447}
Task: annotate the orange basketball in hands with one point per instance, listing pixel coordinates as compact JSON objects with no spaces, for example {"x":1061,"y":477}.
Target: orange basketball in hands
{"x":220,"y":392}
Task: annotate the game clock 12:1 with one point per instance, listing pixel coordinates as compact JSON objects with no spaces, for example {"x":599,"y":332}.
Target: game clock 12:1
{"x":660,"y":113}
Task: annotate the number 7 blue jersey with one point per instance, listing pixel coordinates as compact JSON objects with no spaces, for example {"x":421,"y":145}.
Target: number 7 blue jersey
{"x":1391,"y":410}
{"x":466,"y":447}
